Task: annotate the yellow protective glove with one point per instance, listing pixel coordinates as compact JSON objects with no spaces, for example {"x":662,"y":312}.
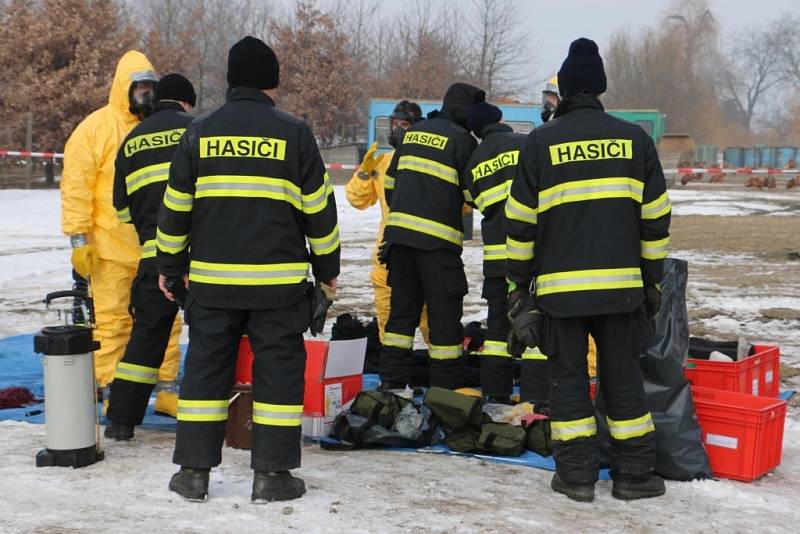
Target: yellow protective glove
{"x":369,"y":162}
{"x":83,"y":260}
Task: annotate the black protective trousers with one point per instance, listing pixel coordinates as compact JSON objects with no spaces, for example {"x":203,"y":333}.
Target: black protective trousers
{"x":436,"y":279}
{"x":620,"y":339}
{"x":137,"y":372}
{"x":497,"y":367}
{"x":276,"y":336}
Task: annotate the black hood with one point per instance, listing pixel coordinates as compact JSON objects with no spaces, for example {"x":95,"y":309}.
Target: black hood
{"x":459,"y":98}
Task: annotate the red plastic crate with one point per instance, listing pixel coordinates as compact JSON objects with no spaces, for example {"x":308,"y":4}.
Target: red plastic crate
{"x":743,"y":434}
{"x":758,"y":374}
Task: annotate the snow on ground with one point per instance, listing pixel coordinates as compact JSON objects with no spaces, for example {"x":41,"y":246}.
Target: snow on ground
{"x":726,"y":203}
{"x":368,"y":491}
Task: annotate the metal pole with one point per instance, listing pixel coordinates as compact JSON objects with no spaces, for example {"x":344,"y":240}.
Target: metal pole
{"x":29,"y":147}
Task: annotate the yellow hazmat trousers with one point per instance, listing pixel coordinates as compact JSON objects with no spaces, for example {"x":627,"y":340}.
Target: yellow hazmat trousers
{"x":361,"y":194}
{"x":87,"y":185}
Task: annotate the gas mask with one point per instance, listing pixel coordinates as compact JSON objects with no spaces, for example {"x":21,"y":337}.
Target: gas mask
{"x":396,"y":136}
{"x":141,"y":105}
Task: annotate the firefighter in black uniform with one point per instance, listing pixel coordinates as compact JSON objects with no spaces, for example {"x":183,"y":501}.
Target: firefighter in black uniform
{"x":590,"y":201}
{"x":423,"y":241}
{"x":488,"y":177}
{"x":247,"y":189}
{"x":141,"y":171}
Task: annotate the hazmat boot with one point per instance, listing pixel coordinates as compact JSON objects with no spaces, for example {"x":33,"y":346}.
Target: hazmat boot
{"x":166,"y":403}
{"x":191,"y":484}
{"x":276,"y":486}
{"x":629,"y":490}
{"x":118,"y":431}
{"x":576,"y":492}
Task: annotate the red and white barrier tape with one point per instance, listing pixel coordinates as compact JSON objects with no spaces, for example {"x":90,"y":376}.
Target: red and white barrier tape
{"x":26,"y":154}
{"x":723,"y":170}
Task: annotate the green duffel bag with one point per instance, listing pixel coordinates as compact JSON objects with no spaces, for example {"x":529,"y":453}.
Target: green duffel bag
{"x":454,"y":410}
{"x":465,"y":439}
{"x":538,"y":438}
{"x":379,"y":407}
{"x":502,"y":439}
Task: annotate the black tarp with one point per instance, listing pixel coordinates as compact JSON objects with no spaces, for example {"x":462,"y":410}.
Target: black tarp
{"x":680,"y":454}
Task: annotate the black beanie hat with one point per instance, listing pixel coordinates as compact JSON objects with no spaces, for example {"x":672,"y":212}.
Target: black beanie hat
{"x":582,"y":70}
{"x":482,"y":114}
{"x":175,"y":87}
{"x":458,"y":100}
{"x":251,"y":63}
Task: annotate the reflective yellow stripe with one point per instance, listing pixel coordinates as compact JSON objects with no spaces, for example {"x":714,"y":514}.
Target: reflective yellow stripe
{"x":590,"y":150}
{"x":493,"y":195}
{"x":325,"y":245}
{"x":149,"y":249}
{"x":229,"y":185}
{"x":445,"y":352}
{"x":467,"y":195}
{"x":587,"y":280}
{"x":631,"y":428}
{"x":202,"y":411}
{"x":494,"y":252}
{"x":495,"y":348}
{"x":318,"y":200}
{"x":519,"y":250}
{"x":520,"y":212}
{"x":657,"y":208}
{"x":533,"y":353}
{"x":655,"y":250}
{"x":124,"y":215}
{"x":178,"y":201}
{"x":577,"y":428}
{"x":277,"y":414}
{"x":429,"y":167}
{"x":136,"y":373}
{"x":238,"y":274}
{"x":491,"y":166}
{"x":172,"y":244}
{"x":388,"y":182}
{"x":146,"y":176}
{"x":595,"y":189}
{"x":425,"y":226}
{"x":390,"y":339}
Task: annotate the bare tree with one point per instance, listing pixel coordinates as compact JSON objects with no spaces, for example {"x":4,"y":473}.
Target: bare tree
{"x":788,"y":42}
{"x":751,"y":69}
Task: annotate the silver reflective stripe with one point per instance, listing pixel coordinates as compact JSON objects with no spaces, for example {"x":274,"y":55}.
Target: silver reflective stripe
{"x":203,"y":409}
{"x":426,"y":227}
{"x":561,"y":193}
{"x":445,"y":352}
{"x":588,"y":280}
{"x":655,"y":249}
{"x":149,"y":249}
{"x":171,"y":242}
{"x":267,"y":414}
{"x":489,"y":197}
{"x":220,"y":273}
{"x":650,"y":210}
{"x":517,"y":213}
{"x":443,"y":172}
{"x":490,"y":254}
{"x":526,"y":252}
{"x":567,"y":430}
{"x":148,"y":375}
{"x":238,"y":186}
{"x":391,"y":339}
{"x":133,"y":185}
{"x":183,"y":202}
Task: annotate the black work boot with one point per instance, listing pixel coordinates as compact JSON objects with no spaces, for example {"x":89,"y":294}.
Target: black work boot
{"x":118,"y":431}
{"x":191,"y":484}
{"x":576,"y":492}
{"x":276,"y":486}
{"x":627,"y":490}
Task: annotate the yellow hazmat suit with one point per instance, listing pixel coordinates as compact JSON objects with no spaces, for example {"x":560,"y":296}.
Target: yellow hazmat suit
{"x":361,"y":194}
{"x":113,"y":248}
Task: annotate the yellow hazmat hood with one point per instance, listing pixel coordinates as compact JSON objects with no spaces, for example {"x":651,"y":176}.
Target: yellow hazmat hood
{"x":133,"y":66}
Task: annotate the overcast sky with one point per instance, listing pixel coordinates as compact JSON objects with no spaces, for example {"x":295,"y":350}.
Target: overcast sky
{"x":598,"y":19}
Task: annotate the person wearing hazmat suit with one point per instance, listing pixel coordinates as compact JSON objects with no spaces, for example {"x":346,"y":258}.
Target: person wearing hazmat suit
{"x":105,"y":250}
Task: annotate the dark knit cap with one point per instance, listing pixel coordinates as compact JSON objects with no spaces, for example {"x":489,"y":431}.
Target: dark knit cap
{"x":481,"y":115}
{"x":175,"y":87}
{"x":251,"y":63}
{"x":458,"y":100}
{"x":582,"y":70}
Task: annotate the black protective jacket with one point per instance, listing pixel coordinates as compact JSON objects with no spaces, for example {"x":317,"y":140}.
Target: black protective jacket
{"x":488,"y":178}
{"x":589,"y":209}
{"x":141,"y":170}
{"x":249,"y":208}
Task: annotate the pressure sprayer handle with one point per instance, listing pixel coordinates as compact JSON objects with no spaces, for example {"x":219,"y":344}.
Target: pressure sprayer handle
{"x":73,"y":293}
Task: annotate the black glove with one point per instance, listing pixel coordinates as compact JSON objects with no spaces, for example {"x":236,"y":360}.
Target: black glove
{"x":652,"y":300}
{"x":526,"y":321}
{"x":321,"y":299}
{"x":383,"y":253}
{"x":176,"y":286}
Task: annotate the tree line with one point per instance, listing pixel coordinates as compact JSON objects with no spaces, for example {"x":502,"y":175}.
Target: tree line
{"x":57,"y":58}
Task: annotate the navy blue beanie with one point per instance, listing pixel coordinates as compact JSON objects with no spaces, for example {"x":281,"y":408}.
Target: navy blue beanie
{"x":481,"y":115}
{"x":582,"y":70}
